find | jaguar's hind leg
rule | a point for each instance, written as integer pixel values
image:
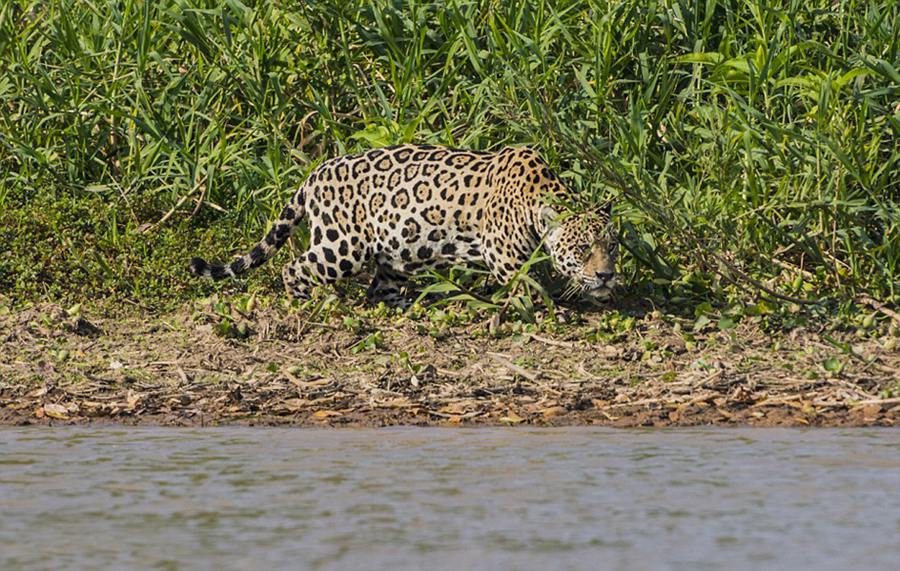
(299, 277)
(387, 286)
(304, 273)
(319, 266)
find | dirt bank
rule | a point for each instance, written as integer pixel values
(274, 366)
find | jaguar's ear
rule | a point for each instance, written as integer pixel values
(550, 217)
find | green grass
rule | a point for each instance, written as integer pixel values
(752, 147)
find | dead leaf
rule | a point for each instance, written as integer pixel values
(322, 414)
(132, 399)
(871, 411)
(38, 392)
(294, 405)
(553, 411)
(512, 418)
(608, 416)
(454, 408)
(56, 411)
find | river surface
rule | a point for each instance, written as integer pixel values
(415, 498)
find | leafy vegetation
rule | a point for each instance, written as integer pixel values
(751, 146)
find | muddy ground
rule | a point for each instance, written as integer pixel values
(273, 366)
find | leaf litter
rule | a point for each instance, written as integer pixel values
(178, 369)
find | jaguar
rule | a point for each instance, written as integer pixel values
(396, 211)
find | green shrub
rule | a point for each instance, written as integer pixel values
(748, 143)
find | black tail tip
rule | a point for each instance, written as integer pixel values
(198, 266)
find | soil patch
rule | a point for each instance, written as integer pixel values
(273, 366)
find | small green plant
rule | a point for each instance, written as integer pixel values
(405, 361)
(832, 365)
(614, 326)
(354, 324)
(228, 324)
(517, 296)
(370, 342)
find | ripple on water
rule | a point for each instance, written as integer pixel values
(442, 499)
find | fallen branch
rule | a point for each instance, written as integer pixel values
(513, 367)
(881, 307)
(553, 342)
(894, 400)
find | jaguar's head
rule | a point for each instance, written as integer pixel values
(583, 248)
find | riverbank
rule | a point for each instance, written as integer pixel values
(265, 364)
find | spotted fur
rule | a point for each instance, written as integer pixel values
(410, 207)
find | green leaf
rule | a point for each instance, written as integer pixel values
(703, 309)
(374, 135)
(832, 365)
(701, 322)
(701, 57)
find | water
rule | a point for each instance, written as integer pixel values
(242, 498)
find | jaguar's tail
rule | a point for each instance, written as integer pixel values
(276, 238)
